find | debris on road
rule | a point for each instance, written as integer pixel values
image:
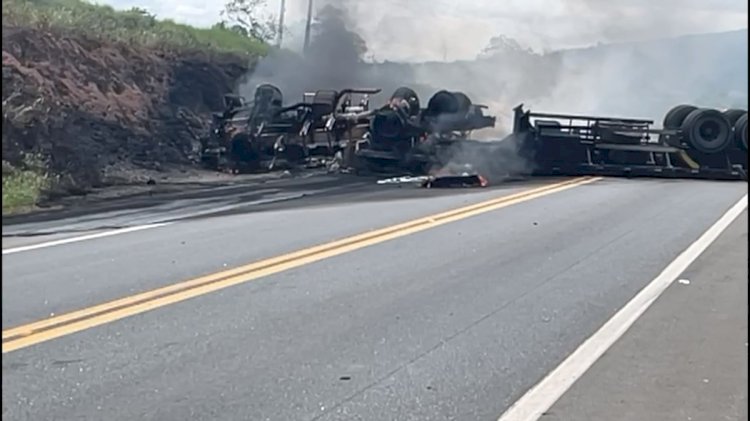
(453, 181)
(404, 180)
(446, 177)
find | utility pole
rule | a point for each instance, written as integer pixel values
(308, 24)
(281, 22)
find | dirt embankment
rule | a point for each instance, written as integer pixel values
(104, 114)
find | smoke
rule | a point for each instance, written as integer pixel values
(334, 60)
(645, 79)
(495, 161)
(633, 63)
(639, 20)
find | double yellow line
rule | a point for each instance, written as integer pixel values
(54, 327)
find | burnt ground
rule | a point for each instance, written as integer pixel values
(191, 186)
(107, 114)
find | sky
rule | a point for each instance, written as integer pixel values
(423, 30)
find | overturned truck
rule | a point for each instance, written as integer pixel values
(264, 133)
(403, 136)
(692, 143)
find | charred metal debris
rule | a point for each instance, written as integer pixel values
(340, 130)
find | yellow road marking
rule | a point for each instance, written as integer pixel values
(55, 327)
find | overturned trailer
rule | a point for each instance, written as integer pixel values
(264, 132)
(693, 143)
(405, 137)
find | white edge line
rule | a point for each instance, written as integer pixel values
(537, 400)
(150, 226)
(83, 238)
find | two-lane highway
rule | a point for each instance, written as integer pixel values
(435, 306)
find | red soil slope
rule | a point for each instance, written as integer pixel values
(103, 113)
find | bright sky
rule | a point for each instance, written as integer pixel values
(417, 30)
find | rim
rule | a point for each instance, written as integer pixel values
(710, 131)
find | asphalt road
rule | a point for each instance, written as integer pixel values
(686, 358)
(164, 203)
(452, 322)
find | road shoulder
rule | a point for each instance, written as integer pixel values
(686, 358)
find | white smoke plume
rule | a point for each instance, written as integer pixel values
(639, 79)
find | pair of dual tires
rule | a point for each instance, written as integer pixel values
(708, 130)
(442, 102)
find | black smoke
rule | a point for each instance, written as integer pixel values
(333, 60)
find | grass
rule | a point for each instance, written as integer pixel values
(24, 187)
(134, 26)
(25, 183)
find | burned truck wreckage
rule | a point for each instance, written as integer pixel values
(260, 134)
(398, 136)
(402, 137)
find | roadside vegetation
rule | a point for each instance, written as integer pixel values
(137, 27)
(243, 32)
(24, 186)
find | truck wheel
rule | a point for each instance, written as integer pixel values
(734, 114)
(674, 117)
(707, 131)
(242, 149)
(673, 120)
(410, 96)
(464, 103)
(740, 132)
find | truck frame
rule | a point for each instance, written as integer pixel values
(568, 144)
(264, 132)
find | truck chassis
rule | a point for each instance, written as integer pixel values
(566, 144)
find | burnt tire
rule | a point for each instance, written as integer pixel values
(674, 117)
(464, 103)
(295, 153)
(410, 96)
(386, 125)
(740, 132)
(734, 114)
(443, 102)
(707, 131)
(269, 93)
(242, 149)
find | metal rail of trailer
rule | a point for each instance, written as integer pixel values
(567, 144)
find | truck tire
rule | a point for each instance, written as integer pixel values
(674, 117)
(707, 131)
(673, 120)
(740, 132)
(411, 98)
(445, 102)
(268, 94)
(733, 114)
(242, 149)
(464, 103)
